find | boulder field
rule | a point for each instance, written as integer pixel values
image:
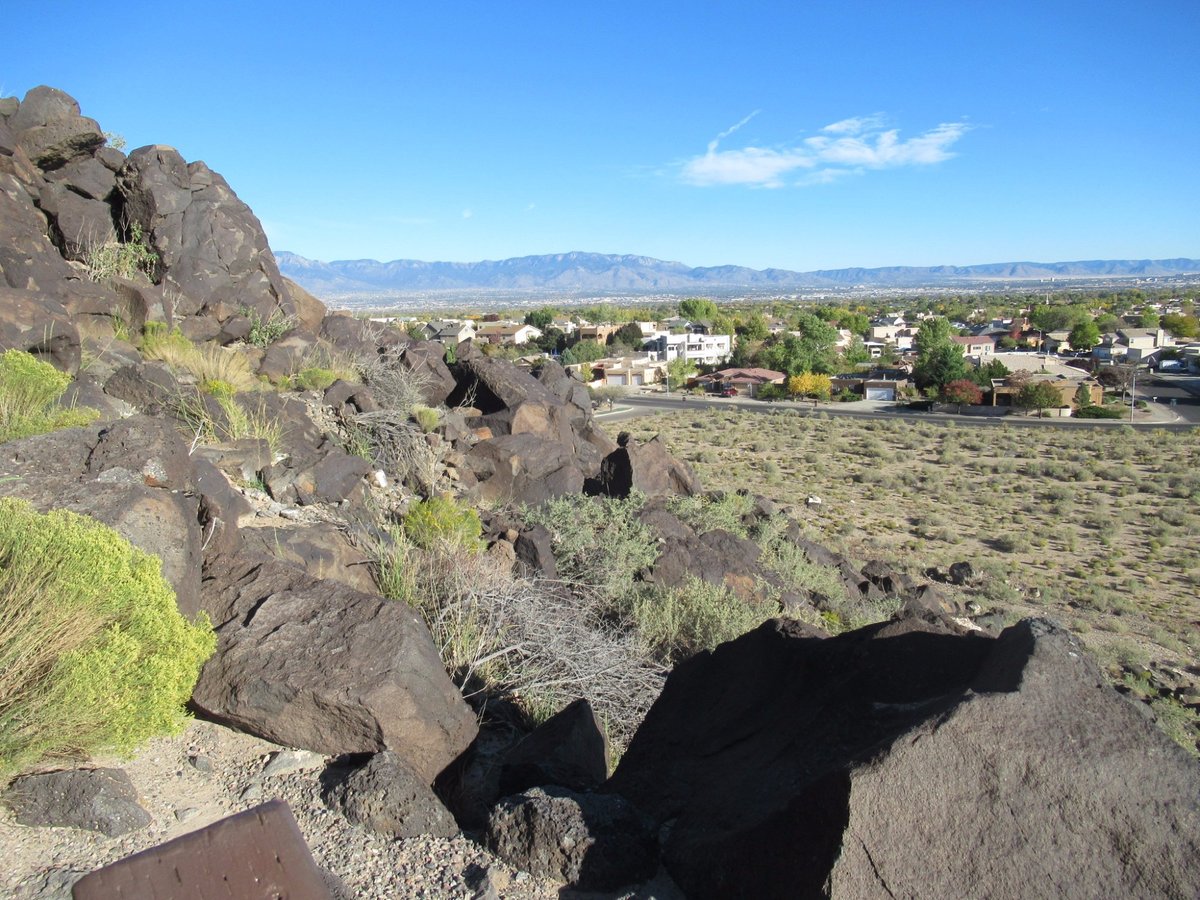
(919, 757)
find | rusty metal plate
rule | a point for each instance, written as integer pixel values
(258, 854)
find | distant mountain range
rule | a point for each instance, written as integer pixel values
(600, 273)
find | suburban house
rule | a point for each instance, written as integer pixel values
(628, 371)
(878, 385)
(507, 333)
(450, 332)
(743, 381)
(702, 349)
(1133, 345)
(1004, 390)
(887, 329)
(978, 347)
(1053, 341)
(597, 333)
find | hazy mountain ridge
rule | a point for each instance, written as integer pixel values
(579, 271)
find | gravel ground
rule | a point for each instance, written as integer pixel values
(181, 796)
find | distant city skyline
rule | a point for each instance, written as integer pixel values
(761, 135)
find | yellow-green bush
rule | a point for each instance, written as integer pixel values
(427, 417)
(94, 654)
(440, 521)
(29, 394)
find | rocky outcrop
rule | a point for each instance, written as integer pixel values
(591, 841)
(905, 760)
(648, 468)
(311, 663)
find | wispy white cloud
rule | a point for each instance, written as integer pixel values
(466, 213)
(846, 147)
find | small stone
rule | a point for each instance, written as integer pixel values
(287, 761)
(200, 763)
(188, 812)
(252, 792)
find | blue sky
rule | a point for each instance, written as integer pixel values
(759, 134)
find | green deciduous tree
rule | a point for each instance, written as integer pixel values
(678, 372)
(1084, 336)
(1039, 395)
(696, 308)
(583, 352)
(1181, 326)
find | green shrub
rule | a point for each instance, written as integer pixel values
(427, 418)
(117, 259)
(598, 541)
(158, 339)
(441, 521)
(676, 623)
(93, 651)
(313, 379)
(29, 394)
(264, 332)
(1100, 412)
(704, 512)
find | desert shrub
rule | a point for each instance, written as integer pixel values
(93, 652)
(536, 642)
(675, 623)
(264, 332)
(158, 339)
(121, 259)
(245, 418)
(792, 565)
(426, 417)
(313, 378)
(708, 512)
(29, 397)
(598, 541)
(442, 521)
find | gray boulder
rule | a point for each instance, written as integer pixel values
(388, 797)
(101, 800)
(524, 468)
(50, 129)
(905, 760)
(39, 324)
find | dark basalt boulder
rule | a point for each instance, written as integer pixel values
(211, 247)
(50, 129)
(904, 760)
(79, 224)
(319, 548)
(648, 468)
(102, 800)
(87, 177)
(386, 796)
(41, 325)
(524, 468)
(590, 841)
(716, 557)
(569, 750)
(28, 258)
(311, 663)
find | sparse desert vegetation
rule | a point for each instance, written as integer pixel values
(1093, 527)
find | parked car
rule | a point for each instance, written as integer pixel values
(729, 392)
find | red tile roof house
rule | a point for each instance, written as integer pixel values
(744, 381)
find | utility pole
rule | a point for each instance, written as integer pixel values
(1133, 394)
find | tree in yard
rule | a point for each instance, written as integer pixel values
(678, 371)
(696, 308)
(813, 350)
(753, 327)
(1181, 326)
(1039, 395)
(932, 334)
(856, 352)
(987, 372)
(961, 391)
(583, 352)
(810, 384)
(1083, 397)
(1148, 318)
(540, 318)
(1084, 336)
(628, 335)
(940, 366)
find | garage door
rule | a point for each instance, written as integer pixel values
(879, 393)
(616, 380)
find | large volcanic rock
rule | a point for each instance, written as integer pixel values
(648, 468)
(50, 130)
(314, 664)
(904, 761)
(211, 247)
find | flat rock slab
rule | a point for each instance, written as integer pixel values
(101, 800)
(256, 855)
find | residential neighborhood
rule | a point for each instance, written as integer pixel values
(1051, 359)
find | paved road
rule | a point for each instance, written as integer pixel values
(643, 404)
(1183, 389)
